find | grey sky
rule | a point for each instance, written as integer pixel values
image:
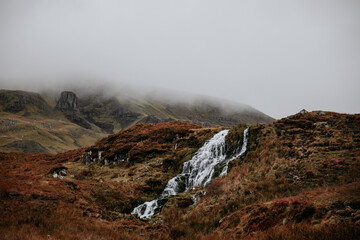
(277, 56)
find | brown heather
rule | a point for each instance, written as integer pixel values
(298, 180)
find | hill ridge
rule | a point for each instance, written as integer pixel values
(57, 123)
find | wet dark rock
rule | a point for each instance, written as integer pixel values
(86, 158)
(59, 172)
(68, 100)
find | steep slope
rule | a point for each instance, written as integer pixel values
(28, 123)
(301, 170)
(114, 114)
(299, 179)
(57, 122)
(24, 103)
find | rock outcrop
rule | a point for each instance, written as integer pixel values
(68, 101)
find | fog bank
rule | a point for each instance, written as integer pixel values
(277, 56)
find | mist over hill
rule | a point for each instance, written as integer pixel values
(55, 120)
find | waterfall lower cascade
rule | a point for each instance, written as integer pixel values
(198, 171)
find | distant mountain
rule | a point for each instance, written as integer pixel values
(57, 122)
(29, 122)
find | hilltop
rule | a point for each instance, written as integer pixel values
(299, 178)
(53, 122)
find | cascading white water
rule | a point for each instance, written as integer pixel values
(238, 153)
(198, 171)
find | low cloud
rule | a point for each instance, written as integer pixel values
(278, 56)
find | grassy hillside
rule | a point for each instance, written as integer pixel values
(29, 123)
(32, 122)
(298, 180)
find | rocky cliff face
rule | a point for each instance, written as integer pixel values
(68, 101)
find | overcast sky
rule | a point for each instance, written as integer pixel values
(277, 56)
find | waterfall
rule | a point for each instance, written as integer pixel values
(198, 171)
(238, 153)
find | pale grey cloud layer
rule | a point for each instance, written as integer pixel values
(278, 56)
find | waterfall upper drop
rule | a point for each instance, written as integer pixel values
(239, 152)
(198, 171)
